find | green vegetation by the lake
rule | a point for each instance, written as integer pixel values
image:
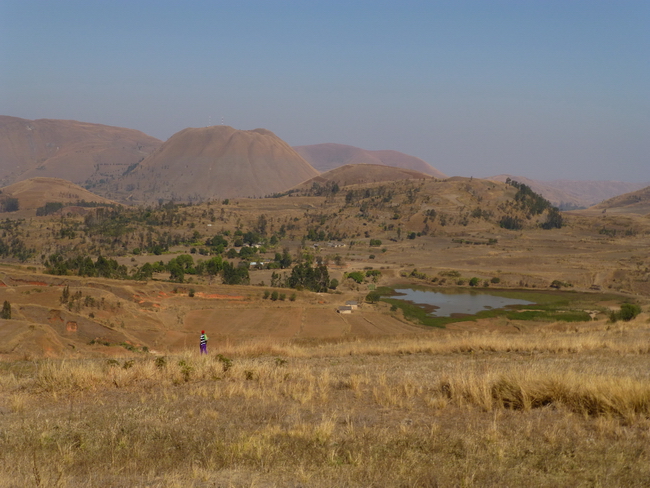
(566, 306)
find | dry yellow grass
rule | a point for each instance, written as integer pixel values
(546, 408)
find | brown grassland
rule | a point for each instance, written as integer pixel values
(108, 389)
(547, 407)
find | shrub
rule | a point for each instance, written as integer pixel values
(559, 284)
(629, 311)
(226, 362)
(186, 369)
(356, 276)
(6, 310)
(451, 274)
(474, 281)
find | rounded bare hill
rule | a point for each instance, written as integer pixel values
(637, 202)
(36, 192)
(217, 162)
(325, 157)
(358, 174)
(74, 151)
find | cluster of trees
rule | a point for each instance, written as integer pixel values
(235, 275)
(360, 276)
(627, 312)
(533, 204)
(275, 295)
(52, 207)
(9, 204)
(177, 267)
(12, 244)
(184, 264)
(328, 189)
(103, 267)
(511, 223)
(16, 248)
(305, 276)
(49, 208)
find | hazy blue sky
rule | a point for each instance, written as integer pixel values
(545, 89)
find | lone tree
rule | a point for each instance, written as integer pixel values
(6, 310)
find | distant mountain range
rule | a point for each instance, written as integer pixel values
(325, 157)
(220, 162)
(75, 151)
(569, 194)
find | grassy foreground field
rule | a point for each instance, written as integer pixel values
(550, 406)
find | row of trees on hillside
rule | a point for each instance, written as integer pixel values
(303, 276)
(531, 204)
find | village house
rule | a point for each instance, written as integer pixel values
(353, 304)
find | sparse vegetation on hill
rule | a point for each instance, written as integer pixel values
(316, 377)
(633, 202)
(293, 390)
(531, 204)
(571, 194)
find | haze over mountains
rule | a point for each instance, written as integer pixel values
(220, 162)
(75, 151)
(325, 157)
(217, 162)
(633, 202)
(574, 194)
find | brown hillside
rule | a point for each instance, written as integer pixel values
(216, 162)
(634, 202)
(75, 151)
(355, 174)
(36, 192)
(325, 157)
(568, 193)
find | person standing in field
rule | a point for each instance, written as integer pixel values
(204, 342)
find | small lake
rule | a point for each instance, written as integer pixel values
(439, 304)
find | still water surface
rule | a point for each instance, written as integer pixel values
(446, 304)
